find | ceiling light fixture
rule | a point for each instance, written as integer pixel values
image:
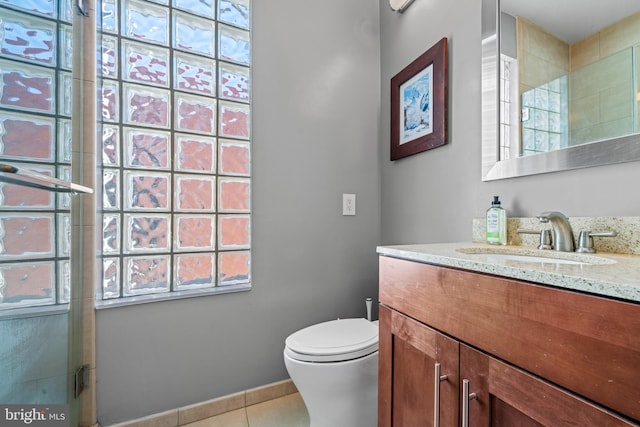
(400, 5)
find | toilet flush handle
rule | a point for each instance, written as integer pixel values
(368, 302)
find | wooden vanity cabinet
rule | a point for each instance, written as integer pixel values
(532, 355)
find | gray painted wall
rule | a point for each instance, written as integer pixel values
(433, 196)
(316, 135)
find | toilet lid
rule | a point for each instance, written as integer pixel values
(335, 340)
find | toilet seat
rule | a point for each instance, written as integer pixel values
(333, 341)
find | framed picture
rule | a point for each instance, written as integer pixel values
(419, 103)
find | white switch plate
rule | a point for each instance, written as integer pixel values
(348, 204)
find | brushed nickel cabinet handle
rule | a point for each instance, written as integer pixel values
(466, 397)
(436, 395)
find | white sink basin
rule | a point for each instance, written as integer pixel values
(534, 256)
(529, 258)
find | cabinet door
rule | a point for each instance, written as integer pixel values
(504, 396)
(410, 391)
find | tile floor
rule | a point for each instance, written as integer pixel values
(285, 411)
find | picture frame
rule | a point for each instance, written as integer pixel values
(419, 103)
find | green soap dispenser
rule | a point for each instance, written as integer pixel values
(496, 223)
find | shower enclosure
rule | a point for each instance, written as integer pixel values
(557, 94)
(40, 210)
(592, 103)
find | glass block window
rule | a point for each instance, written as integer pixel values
(545, 111)
(176, 146)
(35, 134)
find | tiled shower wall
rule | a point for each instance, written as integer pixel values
(608, 52)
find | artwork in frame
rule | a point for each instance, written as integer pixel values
(419, 103)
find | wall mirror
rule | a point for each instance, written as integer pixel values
(560, 85)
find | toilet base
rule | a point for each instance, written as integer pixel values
(338, 394)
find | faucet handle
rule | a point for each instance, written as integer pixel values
(585, 240)
(545, 237)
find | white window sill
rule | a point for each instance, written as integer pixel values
(169, 296)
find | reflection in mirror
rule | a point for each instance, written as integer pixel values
(559, 89)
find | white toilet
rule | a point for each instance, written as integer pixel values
(334, 365)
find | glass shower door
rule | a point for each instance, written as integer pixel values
(33, 359)
(36, 352)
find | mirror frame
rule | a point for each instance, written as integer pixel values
(598, 153)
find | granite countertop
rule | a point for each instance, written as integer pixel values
(604, 274)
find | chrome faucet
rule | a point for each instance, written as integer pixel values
(562, 232)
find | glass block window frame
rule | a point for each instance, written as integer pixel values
(508, 107)
(35, 134)
(176, 148)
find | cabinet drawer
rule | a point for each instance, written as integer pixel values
(588, 344)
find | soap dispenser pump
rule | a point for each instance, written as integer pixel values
(496, 223)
